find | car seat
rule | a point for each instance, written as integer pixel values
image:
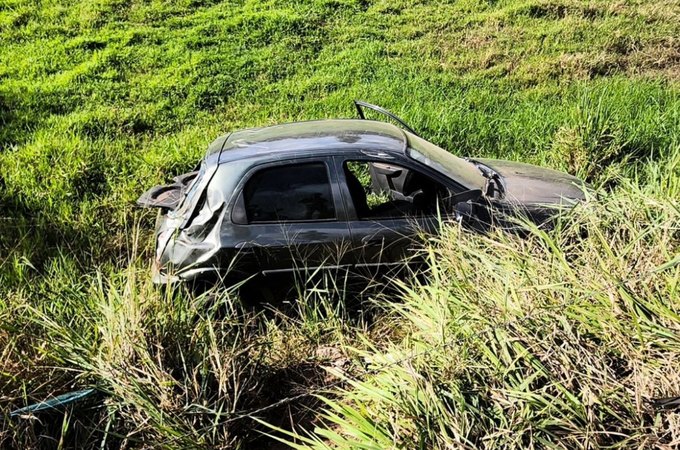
(358, 194)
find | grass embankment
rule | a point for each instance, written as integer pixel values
(100, 100)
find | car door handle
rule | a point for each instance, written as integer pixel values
(245, 247)
(366, 240)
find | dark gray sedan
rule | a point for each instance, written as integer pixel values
(333, 194)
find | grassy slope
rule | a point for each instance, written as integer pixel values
(102, 99)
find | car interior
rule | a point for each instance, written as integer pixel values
(379, 190)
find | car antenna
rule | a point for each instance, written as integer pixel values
(360, 109)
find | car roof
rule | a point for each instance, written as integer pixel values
(301, 138)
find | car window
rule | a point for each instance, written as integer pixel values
(458, 169)
(300, 192)
(385, 190)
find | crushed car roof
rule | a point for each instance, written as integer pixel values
(301, 137)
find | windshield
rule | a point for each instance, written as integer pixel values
(458, 169)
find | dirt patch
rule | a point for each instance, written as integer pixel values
(658, 59)
(559, 10)
(661, 57)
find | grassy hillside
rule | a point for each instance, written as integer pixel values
(563, 338)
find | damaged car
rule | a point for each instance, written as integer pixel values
(350, 194)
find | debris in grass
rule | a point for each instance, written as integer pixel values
(57, 403)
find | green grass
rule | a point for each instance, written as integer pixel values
(100, 100)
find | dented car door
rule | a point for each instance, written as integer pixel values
(291, 217)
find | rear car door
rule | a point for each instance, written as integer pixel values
(292, 216)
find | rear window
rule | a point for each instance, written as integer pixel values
(296, 193)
